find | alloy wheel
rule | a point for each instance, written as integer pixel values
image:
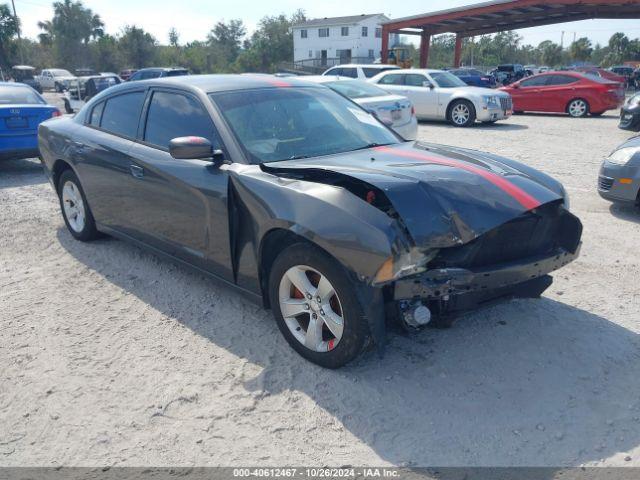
(578, 108)
(460, 114)
(311, 308)
(73, 206)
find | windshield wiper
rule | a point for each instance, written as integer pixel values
(372, 145)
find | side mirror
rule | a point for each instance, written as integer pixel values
(191, 148)
(427, 84)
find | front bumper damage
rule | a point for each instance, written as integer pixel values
(457, 289)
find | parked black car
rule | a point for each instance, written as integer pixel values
(630, 114)
(149, 73)
(511, 72)
(308, 204)
(26, 74)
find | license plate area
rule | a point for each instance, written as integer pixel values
(17, 122)
(396, 115)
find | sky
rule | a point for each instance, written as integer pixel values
(193, 19)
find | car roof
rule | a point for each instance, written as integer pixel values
(365, 65)
(416, 70)
(217, 82)
(163, 69)
(327, 78)
(13, 84)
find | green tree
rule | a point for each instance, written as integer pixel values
(9, 28)
(174, 38)
(550, 53)
(225, 40)
(581, 49)
(138, 48)
(69, 32)
(270, 44)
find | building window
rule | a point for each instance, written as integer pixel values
(365, 31)
(378, 33)
(303, 34)
(345, 31)
(371, 53)
(310, 53)
(323, 32)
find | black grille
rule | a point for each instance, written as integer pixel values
(605, 183)
(506, 103)
(534, 233)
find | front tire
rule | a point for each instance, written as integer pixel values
(75, 209)
(578, 108)
(316, 306)
(462, 113)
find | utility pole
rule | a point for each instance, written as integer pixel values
(562, 40)
(15, 15)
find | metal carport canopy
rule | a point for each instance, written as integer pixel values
(500, 15)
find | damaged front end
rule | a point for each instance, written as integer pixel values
(513, 260)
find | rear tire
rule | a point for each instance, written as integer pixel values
(461, 113)
(578, 108)
(75, 209)
(341, 331)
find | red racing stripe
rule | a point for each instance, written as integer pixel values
(526, 200)
(275, 81)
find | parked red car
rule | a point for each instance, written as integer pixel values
(566, 92)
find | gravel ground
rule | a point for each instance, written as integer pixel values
(111, 356)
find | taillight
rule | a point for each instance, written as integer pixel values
(413, 111)
(55, 113)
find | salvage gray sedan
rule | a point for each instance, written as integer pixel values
(306, 203)
(619, 178)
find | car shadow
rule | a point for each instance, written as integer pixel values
(20, 173)
(500, 125)
(628, 212)
(606, 115)
(540, 381)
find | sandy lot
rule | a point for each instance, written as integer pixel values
(110, 356)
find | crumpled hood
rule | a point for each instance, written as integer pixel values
(445, 196)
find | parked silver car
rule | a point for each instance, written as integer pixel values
(619, 178)
(361, 72)
(394, 110)
(439, 95)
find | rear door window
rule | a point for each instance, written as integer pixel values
(392, 79)
(350, 72)
(174, 115)
(122, 113)
(414, 80)
(535, 81)
(557, 80)
(96, 114)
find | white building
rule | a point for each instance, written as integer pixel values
(337, 40)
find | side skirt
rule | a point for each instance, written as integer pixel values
(253, 297)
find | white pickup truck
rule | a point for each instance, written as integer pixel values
(55, 79)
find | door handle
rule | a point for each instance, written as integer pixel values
(136, 171)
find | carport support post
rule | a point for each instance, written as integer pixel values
(458, 54)
(384, 55)
(425, 42)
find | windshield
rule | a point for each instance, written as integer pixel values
(61, 73)
(447, 80)
(354, 89)
(286, 123)
(19, 96)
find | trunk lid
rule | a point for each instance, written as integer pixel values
(23, 119)
(394, 109)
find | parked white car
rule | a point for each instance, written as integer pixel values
(55, 79)
(395, 111)
(440, 95)
(361, 72)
